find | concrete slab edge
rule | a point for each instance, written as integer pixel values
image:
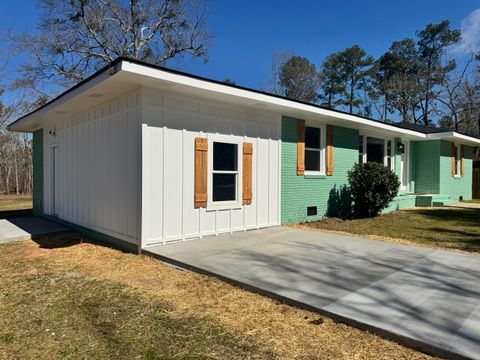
(37, 236)
(386, 334)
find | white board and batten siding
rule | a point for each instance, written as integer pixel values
(171, 122)
(97, 167)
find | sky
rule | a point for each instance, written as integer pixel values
(247, 33)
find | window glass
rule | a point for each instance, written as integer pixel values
(313, 149)
(312, 160)
(312, 137)
(224, 156)
(225, 171)
(224, 187)
(375, 150)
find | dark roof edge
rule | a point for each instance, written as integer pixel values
(177, 72)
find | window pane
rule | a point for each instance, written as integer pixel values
(224, 187)
(389, 155)
(312, 160)
(360, 149)
(224, 156)
(312, 137)
(375, 150)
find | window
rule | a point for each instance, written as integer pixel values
(224, 172)
(314, 150)
(373, 149)
(389, 158)
(458, 161)
(360, 149)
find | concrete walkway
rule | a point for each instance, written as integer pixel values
(27, 228)
(465, 205)
(426, 298)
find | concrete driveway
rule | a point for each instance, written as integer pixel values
(429, 299)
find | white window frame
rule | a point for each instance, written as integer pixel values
(458, 160)
(224, 205)
(385, 148)
(323, 140)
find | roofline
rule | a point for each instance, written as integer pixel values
(118, 60)
(453, 134)
(68, 91)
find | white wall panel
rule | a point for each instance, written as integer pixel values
(171, 124)
(99, 163)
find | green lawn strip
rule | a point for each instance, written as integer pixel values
(450, 228)
(11, 207)
(66, 315)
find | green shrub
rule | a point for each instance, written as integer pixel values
(372, 187)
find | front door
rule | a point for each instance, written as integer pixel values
(404, 171)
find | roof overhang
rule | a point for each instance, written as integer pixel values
(454, 137)
(124, 75)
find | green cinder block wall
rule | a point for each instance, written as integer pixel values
(37, 158)
(299, 192)
(455, 187)
(426, 166)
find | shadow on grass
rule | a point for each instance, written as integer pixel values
(61, 240)
(11, 214)
(469, 217)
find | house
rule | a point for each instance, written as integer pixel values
(141, 155)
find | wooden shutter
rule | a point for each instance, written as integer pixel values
(201, 170)
(329, 150)
(453, 159)
(247, 173)
(463, 160)
(301, 147)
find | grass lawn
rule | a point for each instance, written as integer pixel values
(15, 206)
(448, 228)
(65, 297)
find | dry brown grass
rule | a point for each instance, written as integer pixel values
(254, 326)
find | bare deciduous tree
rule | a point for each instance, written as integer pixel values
(77, 37)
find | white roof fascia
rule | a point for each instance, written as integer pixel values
(454, 136)
(258, 97)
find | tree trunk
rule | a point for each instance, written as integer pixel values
(425, 113)
(351, 96)
(16, 171)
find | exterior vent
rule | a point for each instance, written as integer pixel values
(311, 211)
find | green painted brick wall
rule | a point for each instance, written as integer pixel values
(451, 185)
(426, 166)
(37, 158)
(299, 192)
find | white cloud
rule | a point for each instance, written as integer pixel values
(470, 27)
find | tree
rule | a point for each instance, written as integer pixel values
(432, 44)
(332, 85)
(299, 79)
(396, 80)
(354, 69)
(450, 95)
(76, 37)
(279, 59)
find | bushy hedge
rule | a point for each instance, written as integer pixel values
(372, 187)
